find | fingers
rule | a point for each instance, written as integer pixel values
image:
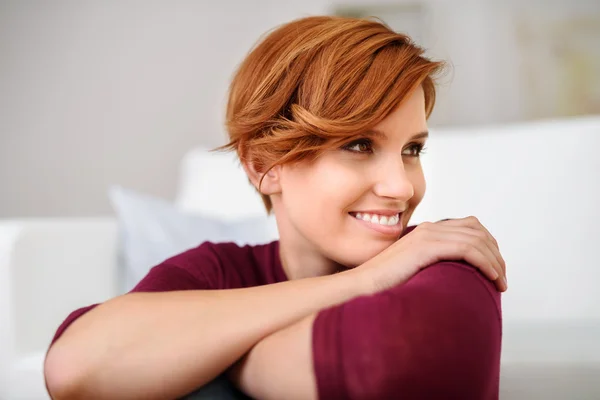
(480, 238)
(477, 246)
(474, 223)
(477, 258)
(477, 250)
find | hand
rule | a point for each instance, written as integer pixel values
(455, 239)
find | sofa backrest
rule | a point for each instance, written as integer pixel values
(536, 186)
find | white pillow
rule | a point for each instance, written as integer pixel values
(152, 229)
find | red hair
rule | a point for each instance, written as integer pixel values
(317, 83)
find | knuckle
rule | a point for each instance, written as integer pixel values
(474, 219)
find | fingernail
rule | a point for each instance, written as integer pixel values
(505, 282)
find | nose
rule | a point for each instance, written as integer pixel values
(392, 180)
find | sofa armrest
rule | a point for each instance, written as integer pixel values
(48, 268)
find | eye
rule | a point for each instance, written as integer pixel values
(414, 150)
(360, 146)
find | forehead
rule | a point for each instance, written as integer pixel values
(409, 118)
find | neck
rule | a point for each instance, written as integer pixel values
(302, 262)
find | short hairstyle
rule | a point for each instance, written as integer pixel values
(317, 83)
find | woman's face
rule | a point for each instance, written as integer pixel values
(350, 204)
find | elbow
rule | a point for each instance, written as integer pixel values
(62, 381)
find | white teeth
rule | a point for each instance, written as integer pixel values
(378, 219)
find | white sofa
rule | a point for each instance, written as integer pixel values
(535, 185)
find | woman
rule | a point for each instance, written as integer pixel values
(328, 116)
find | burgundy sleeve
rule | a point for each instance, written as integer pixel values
(436, 336)
(162, 278)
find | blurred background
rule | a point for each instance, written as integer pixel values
(94, 93)
(107, 109)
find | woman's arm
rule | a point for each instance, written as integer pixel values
(280, 366)
(436, 336)
(165, 345)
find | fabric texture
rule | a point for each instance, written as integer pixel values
(438, 336)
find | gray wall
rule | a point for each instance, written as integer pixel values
(101, 92)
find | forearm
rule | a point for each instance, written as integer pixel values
(438, 333)
(164, 345)
(280, 366)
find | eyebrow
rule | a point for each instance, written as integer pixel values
(382, 135)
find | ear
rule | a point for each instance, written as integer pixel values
(270, 183)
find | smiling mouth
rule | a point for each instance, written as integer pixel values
(378, 219)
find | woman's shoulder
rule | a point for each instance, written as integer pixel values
(228, 265)
(250, 264)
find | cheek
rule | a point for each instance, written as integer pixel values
(342, 186)
(324, 189)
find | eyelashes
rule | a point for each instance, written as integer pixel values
(359, 146)
(365, 146)
(417, 149)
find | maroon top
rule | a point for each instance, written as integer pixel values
(436, 336)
